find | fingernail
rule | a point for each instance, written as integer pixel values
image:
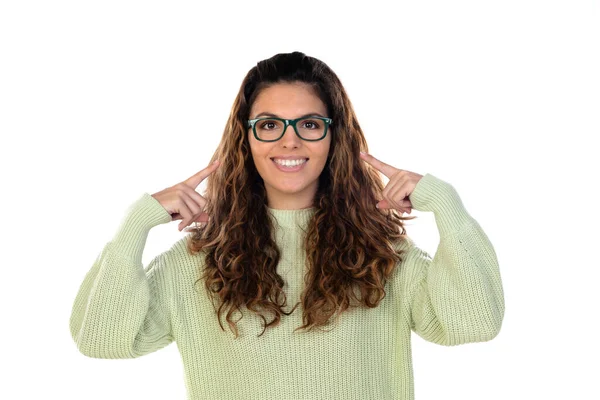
(216, 161)
(363, 153)
(377, 205)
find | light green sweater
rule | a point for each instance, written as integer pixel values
(123, 310)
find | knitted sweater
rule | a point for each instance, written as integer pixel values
(123, 310)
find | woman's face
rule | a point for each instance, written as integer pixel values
(289, 189)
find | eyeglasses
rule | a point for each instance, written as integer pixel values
(271, 129)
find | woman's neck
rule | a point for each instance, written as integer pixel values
(292, 201)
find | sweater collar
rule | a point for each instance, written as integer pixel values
(292, 218)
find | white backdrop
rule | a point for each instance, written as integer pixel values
(103, 101)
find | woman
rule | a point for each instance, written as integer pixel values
(293, 213)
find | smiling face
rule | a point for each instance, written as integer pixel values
(289, 188)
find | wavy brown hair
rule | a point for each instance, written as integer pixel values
(350, 246)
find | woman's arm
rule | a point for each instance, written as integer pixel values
(456, 297)
(122, 309)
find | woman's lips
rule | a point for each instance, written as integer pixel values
(293, 168)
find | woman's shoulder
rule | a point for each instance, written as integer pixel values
(410, 254)
(180, 258)
(403, 244)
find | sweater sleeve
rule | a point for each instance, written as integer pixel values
(122, 309)
(456, 297)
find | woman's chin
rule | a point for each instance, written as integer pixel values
(289, 189)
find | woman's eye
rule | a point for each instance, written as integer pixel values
(268, 125)
(311, 124)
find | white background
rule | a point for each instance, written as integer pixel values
(103, 101)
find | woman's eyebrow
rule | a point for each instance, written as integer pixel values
(268, 114)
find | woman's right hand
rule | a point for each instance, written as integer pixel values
(183, 202)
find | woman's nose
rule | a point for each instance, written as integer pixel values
(290, 139)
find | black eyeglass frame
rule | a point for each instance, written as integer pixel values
(251, 123)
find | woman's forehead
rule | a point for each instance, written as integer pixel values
(288, 101)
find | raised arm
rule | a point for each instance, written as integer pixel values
(456, 297)
(122, 309)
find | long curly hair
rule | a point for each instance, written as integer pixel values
(350, 245)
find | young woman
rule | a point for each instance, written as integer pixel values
(301, 250)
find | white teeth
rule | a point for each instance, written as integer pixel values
(290, 163)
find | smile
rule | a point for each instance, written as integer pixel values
(290, 165)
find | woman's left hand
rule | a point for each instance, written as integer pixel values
(401, 185)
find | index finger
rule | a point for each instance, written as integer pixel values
(386, 169)
(199, 176)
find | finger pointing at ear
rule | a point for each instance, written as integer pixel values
(382, 167)
(397, 191)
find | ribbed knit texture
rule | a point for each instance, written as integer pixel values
(123, 310)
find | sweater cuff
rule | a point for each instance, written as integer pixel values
(141, 216)
(440, 197)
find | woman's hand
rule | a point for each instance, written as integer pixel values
(401, 185)
(183, 202)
